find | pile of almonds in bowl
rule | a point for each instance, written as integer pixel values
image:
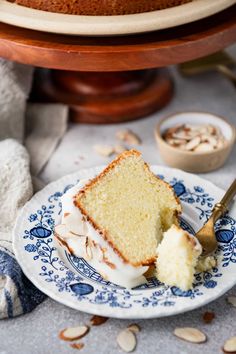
(196, 142)
(197, 138)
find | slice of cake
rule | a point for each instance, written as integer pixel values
(117, 219)
(177, 257)
(130, 207)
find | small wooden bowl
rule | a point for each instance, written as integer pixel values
(189, 160)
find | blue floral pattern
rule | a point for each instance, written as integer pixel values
(77, 278)
(202, 200)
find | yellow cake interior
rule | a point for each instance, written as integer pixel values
(130, 207)
(177, 258)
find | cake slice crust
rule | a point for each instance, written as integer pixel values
(130, 207)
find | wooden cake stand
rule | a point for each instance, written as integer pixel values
(113, 79)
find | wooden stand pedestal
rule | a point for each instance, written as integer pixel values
(105, 97)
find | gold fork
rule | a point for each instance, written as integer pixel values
(206, 235)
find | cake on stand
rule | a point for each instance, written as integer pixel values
(113, 79)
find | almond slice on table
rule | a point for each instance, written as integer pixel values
(230, 345)
(98, 320)
(73, 333)
(77, 345)
(104, 150)
(129, 137)
(190, 334)
(231, 300)
(126, 340)
(134, 327)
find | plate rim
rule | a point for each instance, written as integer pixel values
(109, 25)
(93, 308)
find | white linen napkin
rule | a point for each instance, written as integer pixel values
(41, 127)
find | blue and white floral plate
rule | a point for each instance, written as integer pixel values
(71, 281)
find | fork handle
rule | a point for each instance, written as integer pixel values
(222, 207)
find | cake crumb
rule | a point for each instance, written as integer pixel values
(208, 317)
(78, 346)
(98, 320)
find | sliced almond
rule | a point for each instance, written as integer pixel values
(192, 144)
(133, 139)
(62, 232)
(73, 333)
(129, 137)
(60, 229)
(210, 139)
(127, 341)
(108, 263)
(193, 127)
(121, 134)
(208, 317)
(190, 334)
(100, 253)
(173, 130)
(221, 143)
(78, 346)
(231, 300)
(104, 150)
(118, 149)
(204, 128)
(89, 253)
(63, 235)
(134, 327)
(203, 147)
(176, 142)
(230, 345)
(212, 130)
(181, 135)
(98, 320)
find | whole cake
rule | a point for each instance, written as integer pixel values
(100, 7)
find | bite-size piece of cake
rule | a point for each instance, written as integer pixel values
(117, 219)
(179, 258)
